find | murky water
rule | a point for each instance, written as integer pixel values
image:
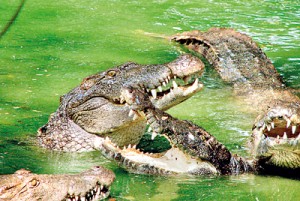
(54, 44)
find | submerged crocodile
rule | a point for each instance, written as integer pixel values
(96, 109)
(240, 61)
(90, 185)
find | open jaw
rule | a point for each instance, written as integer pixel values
(98, 192)
(90, 185)
(97, 106)
(122, 124)
(174, 90)
(116, 119)
(172, 162)
(276, 137)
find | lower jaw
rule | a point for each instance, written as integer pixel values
(271, 169)
(285, 157)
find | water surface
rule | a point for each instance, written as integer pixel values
(53, 45)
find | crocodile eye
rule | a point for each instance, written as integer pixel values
(34, 183)
(111, 73)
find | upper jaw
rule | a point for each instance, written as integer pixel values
(164, 97)
(180, 83)
(171, 90)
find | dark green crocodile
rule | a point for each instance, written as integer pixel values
(90, 185)
(240, 61)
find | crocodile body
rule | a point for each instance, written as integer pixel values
(240, 61)
(91, 185)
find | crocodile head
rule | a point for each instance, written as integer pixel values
(96, 107)
(92, 185)
(275, 136)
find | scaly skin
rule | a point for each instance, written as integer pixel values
(91, 185)
(197, 142)
(173, 162)
(188, 137)
(95, 109)
(239, 61)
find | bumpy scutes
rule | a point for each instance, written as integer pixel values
(91, 185)
(236, 57)
(95, 109)
(188, 137)
(240, 61)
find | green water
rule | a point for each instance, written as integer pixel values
(53, 45)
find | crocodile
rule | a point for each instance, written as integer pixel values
(189, 139)
(95, 109)
(90, 185)
(241, 62)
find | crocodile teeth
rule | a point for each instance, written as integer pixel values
(268, 127)
(154, 94)
(196, 82)
(153, 135)
(167, 81)
(273, 125)
(164, 84)
(159, 89)
(131, 113)
(288, 123)
(175, 85)
(135, 117)
(285, 136)
(294, 129)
